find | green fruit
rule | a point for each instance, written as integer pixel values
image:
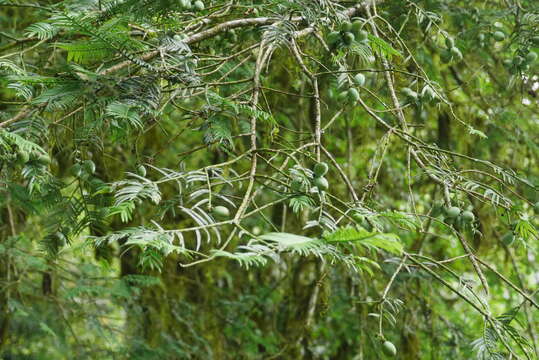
(468, 217)
(449, 42)
(361, 221)
(321, 183)
(356, 27)
(220, 212)
(362, 35)
(452, 212)
(346, 27)
(43, 159)
(23, 157)
(320, 169)
(333, 37)
(359, 79)
(508, 239)
(455, 53)
(88, 166)
(199, 5)
(518, 60)
(536, 207)
(141, 170)
(445, 56)
(353, 95)
(498, 36)
(481, 37)
(75, 170)
(531, 57)
(348, 38)
(389, 349)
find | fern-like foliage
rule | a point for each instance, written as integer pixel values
(371, 240)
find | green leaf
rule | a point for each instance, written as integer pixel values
(245, 259)
(383, 47)
(125, 112)
(388, 242)
(286, 239)
(47, 329)
(86, 51)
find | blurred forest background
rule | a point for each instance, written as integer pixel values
(280, 179)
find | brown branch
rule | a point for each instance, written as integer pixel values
(20, 115)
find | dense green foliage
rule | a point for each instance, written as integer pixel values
(280, 179)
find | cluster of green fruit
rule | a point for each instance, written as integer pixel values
(350, 32)
(319, 170)
(426, 96)
(83, 169)
(187, 5)
(455, 216)
(521, 62)
(497, 35)
(451, 53)
(352, 94)
(25, 157)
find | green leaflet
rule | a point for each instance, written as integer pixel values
(381, 46)
(388, 242)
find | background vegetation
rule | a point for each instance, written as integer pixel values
(163, 189)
